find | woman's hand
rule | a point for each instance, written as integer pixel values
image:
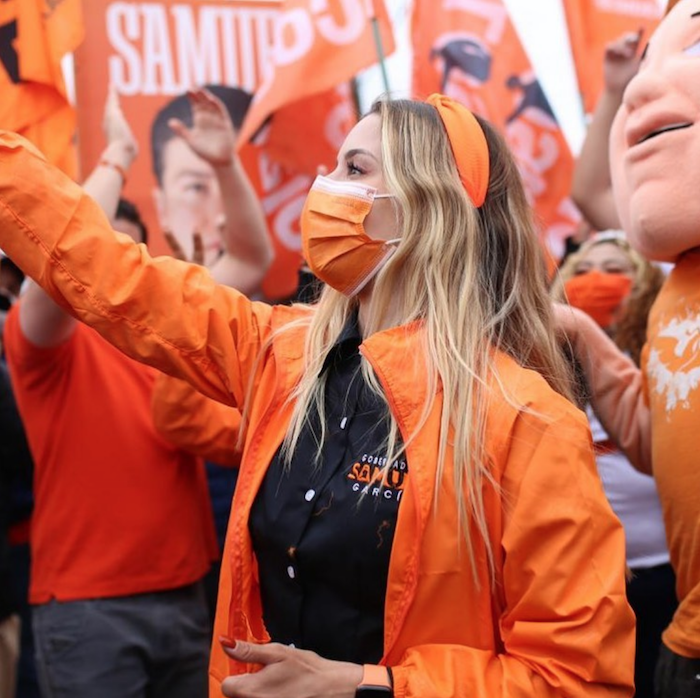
(621, 62)
(212, 136)
(114, 123)
(288, 672)
(122, 147)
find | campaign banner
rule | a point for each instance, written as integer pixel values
(469, 50)
(593, 24)
(153, 52)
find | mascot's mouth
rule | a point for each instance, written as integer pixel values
(665, 129)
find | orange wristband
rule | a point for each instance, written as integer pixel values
(117, 168)
(377, 681)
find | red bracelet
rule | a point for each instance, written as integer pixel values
(117, 168)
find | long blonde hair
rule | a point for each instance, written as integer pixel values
(476, 280)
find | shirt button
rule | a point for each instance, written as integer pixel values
(291, 572)
(310, 494)
(343, 422)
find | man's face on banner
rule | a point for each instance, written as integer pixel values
(189, 199)
(655, 141)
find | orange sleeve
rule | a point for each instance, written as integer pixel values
(565, 625)
(160, 311)
(195, 423)
(617, 389)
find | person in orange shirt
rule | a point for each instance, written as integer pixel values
(122, 532)
(616, 286)
(653, 413)
(105, 484)
(418, 511)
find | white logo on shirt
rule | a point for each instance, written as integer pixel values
(676, 386)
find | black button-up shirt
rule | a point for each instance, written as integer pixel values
(322, 530)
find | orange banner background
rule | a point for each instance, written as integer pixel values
(312, 52)
(155, 51)
(592, 25)
(469, 49)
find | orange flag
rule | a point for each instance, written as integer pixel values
(308, 133)
(470, 51)
(316, 47)
(593, 24)
(34, 36)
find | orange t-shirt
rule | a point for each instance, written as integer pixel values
(671, 362)
(118, 511)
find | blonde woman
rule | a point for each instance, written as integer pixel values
(417, 512)
(616, 286)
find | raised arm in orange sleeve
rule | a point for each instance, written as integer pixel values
(160, 311)
(195, 423)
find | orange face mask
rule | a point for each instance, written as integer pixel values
(335, 244)
(598, 294)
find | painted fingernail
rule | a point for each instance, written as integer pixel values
(227, 642)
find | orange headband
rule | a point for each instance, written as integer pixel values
(468, 143)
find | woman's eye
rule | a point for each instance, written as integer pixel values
(354, 169)
(693, 49)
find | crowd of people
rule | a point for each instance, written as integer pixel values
(386, 485)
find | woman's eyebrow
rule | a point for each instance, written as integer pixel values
(359, 151)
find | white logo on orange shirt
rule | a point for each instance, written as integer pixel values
(677, 377)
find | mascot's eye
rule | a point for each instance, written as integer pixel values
(693, 49)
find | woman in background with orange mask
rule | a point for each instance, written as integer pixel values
(418, 512)
(616, 286)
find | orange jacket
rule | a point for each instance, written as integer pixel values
(557, 623)
(195, 423)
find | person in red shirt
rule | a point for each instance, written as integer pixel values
(122, 532)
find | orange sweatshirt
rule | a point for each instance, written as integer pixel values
(671, 362)
(654, 415)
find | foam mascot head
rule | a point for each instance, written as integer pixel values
(655, 141)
